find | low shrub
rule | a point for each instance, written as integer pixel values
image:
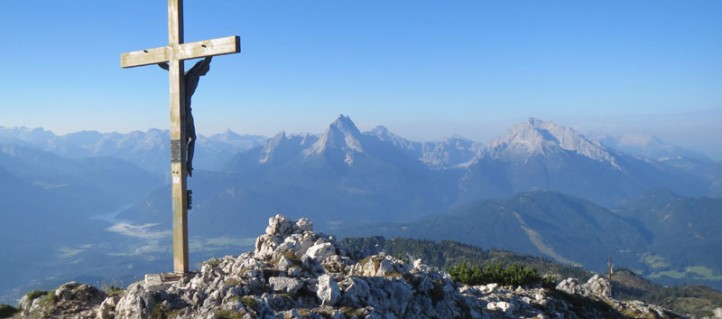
(229, 314)
(35, 294)
(113, 291)
(511, 275)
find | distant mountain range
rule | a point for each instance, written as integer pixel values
(532, 155)
(148, 150)
(345, 175)
(95, 190)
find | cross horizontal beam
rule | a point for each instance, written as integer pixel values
(184, 51)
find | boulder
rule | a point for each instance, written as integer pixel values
(279, 225)
(304, 225)
(321, 251)
(570, 286)
(284, 284)
(328, 291)
(599, 287)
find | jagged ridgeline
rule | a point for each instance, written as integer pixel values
(295, 272)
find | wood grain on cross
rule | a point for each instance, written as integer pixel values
(174, 54)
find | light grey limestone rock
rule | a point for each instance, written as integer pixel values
(321, 251)
(106, 310)
(285, 284)
(279, 225)
(598, 286)
(136, 303)
(327, 290)
(304, 225)
(570, 286)
(355, 291)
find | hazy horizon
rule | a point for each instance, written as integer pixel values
(425, 70)
(482, 133)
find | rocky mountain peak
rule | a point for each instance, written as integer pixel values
(295, 272)
(226, 135)
(282, 146)
(380, 131)
(383, 134)
(345, 125)
(537, 137)
(271, 145)
(536, 123)
(342, 135)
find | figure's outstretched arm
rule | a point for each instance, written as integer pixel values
(207, 61)
(201, 67)
(163, 65)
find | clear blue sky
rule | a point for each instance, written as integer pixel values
(425, 69)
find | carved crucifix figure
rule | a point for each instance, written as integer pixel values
(174, 54)
(191, 79)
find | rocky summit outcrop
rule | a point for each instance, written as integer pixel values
(71, 300)
(295, 272)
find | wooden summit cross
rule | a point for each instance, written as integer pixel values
(174, 54)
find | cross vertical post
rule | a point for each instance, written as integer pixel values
(174, 54)
(179, 188)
